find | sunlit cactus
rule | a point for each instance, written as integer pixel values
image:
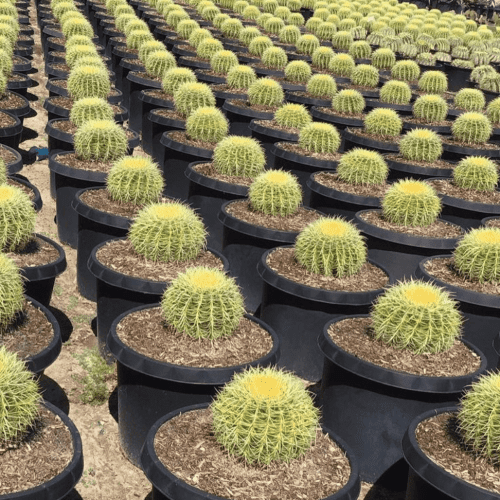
(239, 156)
(319, 137)
(361, 166)
(88, 81)
(292, 115)
(191, 96)
(265, 92)
(90, 108)
(207, 124)
(175, 77)
(421, 145)
(102, 140)
(476, 172)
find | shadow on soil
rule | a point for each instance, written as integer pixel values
(64, 323)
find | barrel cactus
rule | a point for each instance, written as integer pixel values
(239, 156)
(221, 62)
(342, 65)
(348, 102)
(259, 44)
(298, 71)
(322, 57)
(433, 82)
(159, 62)
(241, 77)
(135, 179)
(307, 44)
(362, 166)
(248, 34)
(476, 172)
(360, 50)
(395, 92)
(203, 303)
(207, 124)
(102, 140)
(167, 232)
(319, 137)
(175, 77)
(383, 59)
(410, 202)
(384, 122)
(469, 100)
(430, 108)
(417, 316)
(472, 128)
(289, 34)
(266, 92)
(365, 75)
(275, 192)
(493, 111)
(490, 82)
(208, 47)
(191, 96)
(88, 81)
(331, 246)
(274, 57)
(90, 108)
(76, 52)
(265, 415)
(322, 86)
(421, 145)
(293, 116)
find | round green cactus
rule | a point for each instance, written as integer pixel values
(383, 59)
(185, 28)
(77, 26)
(149, 47)
(475, 172)
(342, 65)
(175, 77)
(231, 28)
(361, 166)
(203, 303)
(319, 137)
(265, 92)
(307, 44)
(273, 25)
(477, 255)
(174, 17)
(167, 232)
(417, 316)
(289, 34)
(313, 23)
(331, 246)
(207, 124)
(322, 57)
(365, 75)
(433, 82)
(275, 192)
(270, 6)
(76, 52)
(135, 25)
(251, 13)
(208, 47)
(241, 77)
(274, 57)
(491, 82)
(80, 40)
(322, 86)
(493, 111)
(122, 20)
(248, 34)
(90, 108)
(239, 6)
(477, 416)
(421, 145)
(198, 35)
(159, 62)
(265, 415)
(296, 19)
(21, 396)
(191, 96)
(102, 140)
(470, 100)
(239, 156)
(395, 92)
(88, 81)
(17, 217)
(460, 63)
(410, 202)
(137, 37)
(342, 40)
(219, 20)
(383, 121)
(6, 64)
(430, 108)
(349, 102)
(135, 179)
(262, 19)
(325, 31)
(360, 50)
(293, 116)
(472, 128)
(478, 72)
(259, 44)
(222, 61)
(460, 52)
(298, 71)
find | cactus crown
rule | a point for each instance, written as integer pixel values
(307, 44)
(433, 82)
(264, 415)
(360, 50)
(275, 192)
(331, 246)
(102, 140)
(491, 82)
(418, 316)
(90, 108)
(175, 77)
(193, 95)
(421, 145)
(239, 156)
(342, 65)
(361, 166)
(431, 108)
(472, 128)
(148, 47)
(76, 52)
(135, 179)
(384, 122)
(410, 202)
(365, 75)
(167, 232)
(265, 92)
(322, 86)
(20, 398)
(470, 99)
(319, 137)
(88, 81)
(274, 57)
(241, 77)
(395, 92)
(477, 255)
(185, 28)
(207, 124)
(198, 35)
(475, 172)
(349, 102)
(292, 115)
(298, 71)
(203, 303)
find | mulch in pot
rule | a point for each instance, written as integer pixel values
(272, 124)
(322, 471)
(208, 170)
(420, 163)
(332, 181)
(72, 160)
(297, 149)
(493, 223)
(448, 188)
(36, 252)
(10, 100)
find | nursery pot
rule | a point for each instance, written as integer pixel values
(117, 293)
(148, 388)
(352, 140)
(136, 85)
(240, 117)
(400, 253)
(340, 122)
(371, 406)
(37, 198)
(206, 195)
(403, 169)
(481, 312)
(167, 486)
(308, 102)
(148, 103)
(458, 78)
(298, 313)
(126, 66)
(159, 125)
(10, 135)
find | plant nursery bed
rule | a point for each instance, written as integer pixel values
(296, 148)
(332, 181)
(208, 170)
(449, 189)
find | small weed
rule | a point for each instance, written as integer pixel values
(58, 290)
(95, 390)
(88, 477)
(82, 318)
(73, 302)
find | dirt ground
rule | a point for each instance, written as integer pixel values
(107, 473)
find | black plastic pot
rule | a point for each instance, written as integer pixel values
(115, 97)
(94, 227)
(167, 486)
(136, 85)
(67, 182)
(403, 169)
(149, 103)
(458, 78)
(426, 479)
(402, 109)
(57, 112)
(371, 407)
(204, 76)
(240, 117)
(119, 52)
(222, 96)
(20, 112)
(11, 135)
(456, 152)
(334, 202)
(353, 140)
(300, 166)
(341, 122)
(206, 195)
(126, 66)
(439, 129)
(20, 86)
(178, 156)
(298, 314)
(61, 485)
(22, 66)
(16, 164)
(481, 311)
(148, 389)
(484, 222)
(309, 102)
(118, 293)
(37, 197)
(400, 253)
(159, 125)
